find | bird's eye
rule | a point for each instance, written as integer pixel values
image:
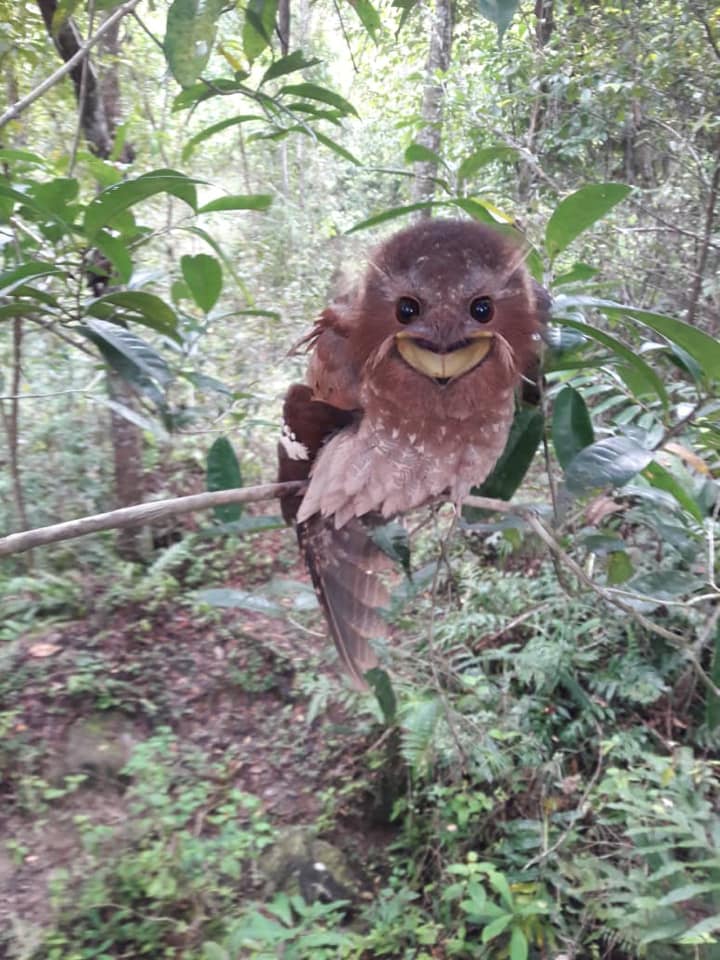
(406, 309)
(481, 309)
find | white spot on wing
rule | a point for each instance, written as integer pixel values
(294, 449)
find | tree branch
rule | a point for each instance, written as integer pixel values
(141, 514)
(21, 105)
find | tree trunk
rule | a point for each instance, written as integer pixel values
(430, 136)
(93, 117)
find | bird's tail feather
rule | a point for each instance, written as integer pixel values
(349, 573)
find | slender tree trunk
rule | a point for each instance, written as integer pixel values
(544, 26)
(99, 104)
(93, 118)
(283, 26)
(433, 101)
(11, 423)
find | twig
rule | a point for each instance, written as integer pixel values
(21, 105)
(141, 514)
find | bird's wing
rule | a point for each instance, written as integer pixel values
(347, 568)
(349, 573)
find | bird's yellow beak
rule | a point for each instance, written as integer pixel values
(443, 366)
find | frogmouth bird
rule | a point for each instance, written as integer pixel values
(410, 395)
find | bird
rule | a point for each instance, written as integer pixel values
(409, 397)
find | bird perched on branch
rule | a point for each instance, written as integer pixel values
(410, 395)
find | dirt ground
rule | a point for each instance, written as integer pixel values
(79, 696)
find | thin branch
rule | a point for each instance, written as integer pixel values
(21, 105)
(141, 514)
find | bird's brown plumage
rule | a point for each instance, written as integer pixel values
(409, 396)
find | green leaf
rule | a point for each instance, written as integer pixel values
(214, 87)
(619, 568)
(704, 349)
(662, 479)
(203, 275)
(392, 539)
(369, 17)
(578, 274)
(509, 472)
(498, 881)
(258, 27)
(11, 155)
(579, 211)
(647, 377)
(518, 944)
(499, 12)
(383, 689)
(417, 153)
(12, 279)
(248, 201)
(115, 249)
(223, 473)
(141, 307)
(312, 91)
(335, 147)
(496, 927)
(213, 951)
(216, 128)
(237, 599)
(607, 463)
(572, 428)
(481, 158)
(289, 64)
(140, 356)
(101, 211)
(189, 37)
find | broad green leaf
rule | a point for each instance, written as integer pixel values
(666, 584)
(518, 944)
(383, 689)
(135, 350)
(392, 539)
(213, 951)
(205, 383)
(216, 128)
(312, 91)
(137, 306)
(55, 196)
(499, 12)
(189, 37)
(607, 463)
(258, 27)
(116, 250)
(481, 158)
(572, 429)
(619, 568)
(335, 147)
(223, 473)
(214, 87)
(477, 210)
(249, 201)
(10, 155)
(498, 881)
(602, 544)
(496, 927)
(369, 17)
(704, 349)
(417, 153)
(12, 279)
(645, 374)
(509, 472)
(662, 479)
(581, 210)
(289, 64)
(203, 275)
(107, 205)
(579, 273)
(238, 599)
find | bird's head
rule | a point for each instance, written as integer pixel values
(447, 302)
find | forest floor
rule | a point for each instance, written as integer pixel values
(79, 696)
